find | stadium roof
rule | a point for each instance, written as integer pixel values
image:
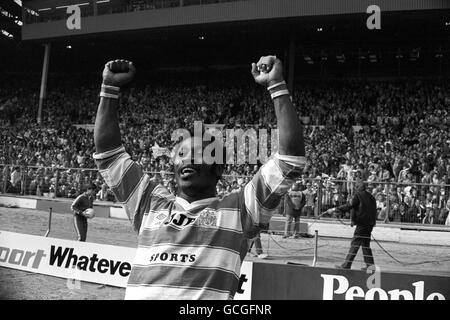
(414, 39)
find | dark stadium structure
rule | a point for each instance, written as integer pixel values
(331, 59)
(318, 39)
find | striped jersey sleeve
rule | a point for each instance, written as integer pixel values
(126, 179)
(263, 193)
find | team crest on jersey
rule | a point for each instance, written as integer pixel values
(161, 216)
(208, 218)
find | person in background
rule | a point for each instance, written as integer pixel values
(381, 207)
(327, 194)
(103, 194)
(444, 215)
(5, 175)
(363, 214)
(79, 206)
(419, 211)
(432, 213)
(258, 247)
(447, 221)
(310, 196)
(294, 201)
(15, 180)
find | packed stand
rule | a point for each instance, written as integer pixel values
(392, 134)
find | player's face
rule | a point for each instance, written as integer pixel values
(193, 176)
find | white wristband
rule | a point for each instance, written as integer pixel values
(279, 93)
(105, 86)
(276, 85)
(109, 95)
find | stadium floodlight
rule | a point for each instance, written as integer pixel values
(7, 34)
(340, 58)
(32, 12)
(5, 13)
(10, 16)
(414, 55)
(308, 60)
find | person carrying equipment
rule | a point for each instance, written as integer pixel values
(83, 209)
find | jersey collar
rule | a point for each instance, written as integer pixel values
(195, 204)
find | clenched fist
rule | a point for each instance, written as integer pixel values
(267, 71)
(118, 72)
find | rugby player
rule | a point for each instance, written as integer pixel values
(192, 246)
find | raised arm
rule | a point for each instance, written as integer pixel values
(116, 74)
(337, 211)
(123, 175)
(268, 72)
(263, 194)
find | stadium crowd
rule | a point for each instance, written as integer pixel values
(392, 134)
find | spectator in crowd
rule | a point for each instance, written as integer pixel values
(416, 211)
(444, 214)
(403, 132)
(15, 180)
(105, 194)
(327, 194)
(310, 200)
(381, 208)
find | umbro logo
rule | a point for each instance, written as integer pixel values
(161, 216)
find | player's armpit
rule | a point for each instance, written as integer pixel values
(262, 195)
(125, 178)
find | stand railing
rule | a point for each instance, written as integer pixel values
(396, 202)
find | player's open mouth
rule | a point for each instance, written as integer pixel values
(187, 171)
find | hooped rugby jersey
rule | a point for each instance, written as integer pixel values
(193, 250)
